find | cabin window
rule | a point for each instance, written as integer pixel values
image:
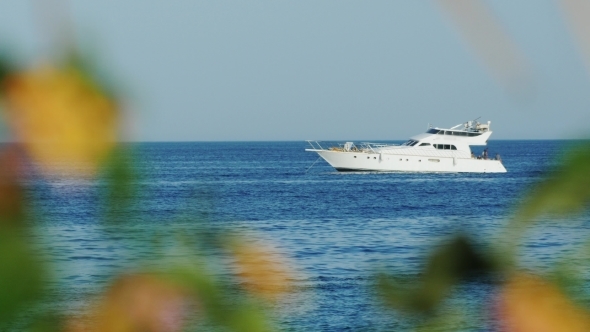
(444, 146)
(452, 133)
(460, 133)
(434, 160)
(425, 144)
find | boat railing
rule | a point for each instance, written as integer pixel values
(369, 147)
(379, 145)
(350, 146)
(315, 145)
(343, 147)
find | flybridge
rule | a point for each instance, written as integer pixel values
(470, 129)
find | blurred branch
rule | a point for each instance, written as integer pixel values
(490, 43)
(456, 260)
(577, 14)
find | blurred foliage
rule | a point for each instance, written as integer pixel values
(6, 65)
(565, 191)
(65, 120)
(529, 303)
(452, 262)
(119, 192)
(22, 275)
(67, 125)
(62, 118)
(526, 302)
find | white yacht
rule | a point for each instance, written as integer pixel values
(436, 150)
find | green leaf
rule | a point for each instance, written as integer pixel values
(120, 188)
(450, 263)
(50, 322)
(566, 191)
(22, 276)
(6, 66)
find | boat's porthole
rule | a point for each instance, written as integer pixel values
(406, 159)
(368, 157)
(420, 160)
(355, 156)
(374, 157)
(400, 160)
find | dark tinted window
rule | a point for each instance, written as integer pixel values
(432, 131)
(443, 146)
(425, 144)
(410, 143)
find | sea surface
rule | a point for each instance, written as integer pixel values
(336, 230)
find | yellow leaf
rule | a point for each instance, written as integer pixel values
(64, 121)
(528, 303)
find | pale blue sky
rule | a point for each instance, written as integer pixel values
(312, 69)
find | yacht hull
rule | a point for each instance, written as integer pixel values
(345, 161)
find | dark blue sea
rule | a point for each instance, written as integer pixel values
(336, 230)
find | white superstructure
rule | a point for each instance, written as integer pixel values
(436, 150)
